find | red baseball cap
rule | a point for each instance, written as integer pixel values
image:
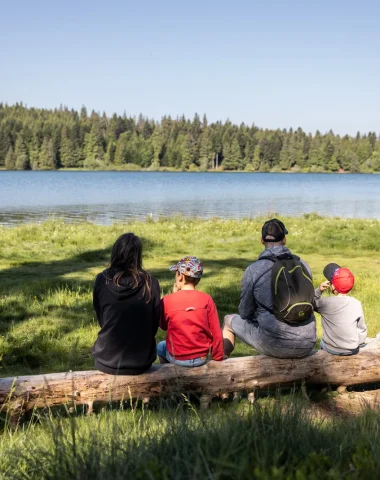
(343, 280)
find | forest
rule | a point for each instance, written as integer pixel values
(42, 139)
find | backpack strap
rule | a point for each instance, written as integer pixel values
(273, 259)
(269, 257)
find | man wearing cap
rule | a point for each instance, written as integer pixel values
(344, 328)
(256, 325)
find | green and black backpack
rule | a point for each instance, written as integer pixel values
(292, 289)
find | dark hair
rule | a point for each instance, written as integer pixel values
(126, 258)
(191, 280)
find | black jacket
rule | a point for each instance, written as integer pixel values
(125, 343)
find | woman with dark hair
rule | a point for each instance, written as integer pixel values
(127, 304)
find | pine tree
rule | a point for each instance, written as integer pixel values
(189, 151)
(364, 150)
(285, 159)
(21, 154)
(315, 157)
(121, 149)
(5, 144)
(10, 159)
(270, 146)
(68, 153)
(196, 127)
(109, 157)
(204, 122)
(206, 153)
(93, 148)
(332, 165)
(34, 153)
(83, 113)
(326, 156)
(249, 153)
(256, 158)
(47, 155)
(157, 142)
(233, 160)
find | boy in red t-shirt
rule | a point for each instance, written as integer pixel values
(191, 320)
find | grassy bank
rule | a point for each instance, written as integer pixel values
(47, 322)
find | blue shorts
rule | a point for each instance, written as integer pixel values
(193, 362)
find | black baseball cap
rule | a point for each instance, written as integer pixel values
(329, 270)
(273, 228)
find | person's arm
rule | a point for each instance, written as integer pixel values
(95, 301)
(163, 319)
(217, 350)
(318, 293)
(156, 300)
(362, 329)
(247, 305)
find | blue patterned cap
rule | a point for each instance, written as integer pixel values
(189, 266)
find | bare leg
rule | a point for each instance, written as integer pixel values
(228, 335)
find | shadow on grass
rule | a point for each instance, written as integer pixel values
(282, 442)
(41, 313)
(46, 318)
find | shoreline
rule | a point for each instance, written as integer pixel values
(166, 219)
(170, 170)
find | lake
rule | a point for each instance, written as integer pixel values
(107, 197)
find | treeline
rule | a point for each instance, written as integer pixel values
(42, 139)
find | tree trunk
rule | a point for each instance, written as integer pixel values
(20, 394)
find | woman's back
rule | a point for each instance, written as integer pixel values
(129, 323)
(127, 304)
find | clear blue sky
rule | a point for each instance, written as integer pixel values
(277, 63)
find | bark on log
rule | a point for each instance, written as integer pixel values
(20, 394)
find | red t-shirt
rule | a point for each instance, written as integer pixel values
(192, 322)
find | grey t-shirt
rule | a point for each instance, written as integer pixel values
(344, 328)
(256, 285)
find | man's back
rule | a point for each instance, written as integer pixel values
(256, 294)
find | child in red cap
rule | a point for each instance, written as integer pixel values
(344, 328)
(191, 320)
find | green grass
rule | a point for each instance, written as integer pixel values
(47, 324)
(280, 441)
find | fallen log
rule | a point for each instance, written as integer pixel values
(20, 394)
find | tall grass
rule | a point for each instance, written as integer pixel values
(262, 442)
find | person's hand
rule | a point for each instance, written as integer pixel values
(175, 288)
(324, 286)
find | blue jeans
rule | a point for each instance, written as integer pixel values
(251, 334)
(340, 354)
(193, 362)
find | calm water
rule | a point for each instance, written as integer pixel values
(106, 197)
